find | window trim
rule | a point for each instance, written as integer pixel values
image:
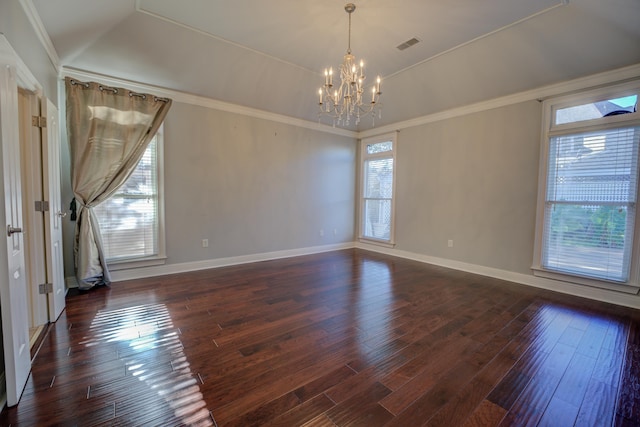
(161, 257)
(364, 156)
(550, 130)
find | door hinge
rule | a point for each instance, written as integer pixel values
(42, 206)
(39, 121)
(45, 288)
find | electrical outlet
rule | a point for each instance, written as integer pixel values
(205, 243)
(321, 232)
(450, 243)
(335, 231)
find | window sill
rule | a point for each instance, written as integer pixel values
(127, 264)
(372, 241)
(627, 288)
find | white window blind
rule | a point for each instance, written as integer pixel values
(378, 197)
(129, 220)
(590, 203)
(377, 192)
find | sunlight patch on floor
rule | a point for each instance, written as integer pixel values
(152, 343)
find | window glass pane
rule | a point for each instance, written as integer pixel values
(143, 180)
(378, 178)
(379, 147)
(129, 219)
(592, 241)
(594, 167)
(377, 219)
(376, 215)
(596, 110)
(590, 203)
(128, 227)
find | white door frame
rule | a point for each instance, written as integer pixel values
(13, 292)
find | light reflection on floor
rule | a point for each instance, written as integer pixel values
(149, 331)
(569, 354)
(374, 296)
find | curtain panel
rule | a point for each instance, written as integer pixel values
(108, 131)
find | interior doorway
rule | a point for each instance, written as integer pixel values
(22, 137)
(42, 212)
(34, 235)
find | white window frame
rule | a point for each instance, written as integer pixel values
(550, 130)
(160, 257)
(364, 157)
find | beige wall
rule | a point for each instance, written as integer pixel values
(252, 186)
(471, 179)
(249, 186)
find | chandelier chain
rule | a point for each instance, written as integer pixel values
(349, 43)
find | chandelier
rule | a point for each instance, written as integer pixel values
(348, 101)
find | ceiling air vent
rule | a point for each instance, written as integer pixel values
(407, 44)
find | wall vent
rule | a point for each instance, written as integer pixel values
(408, 44)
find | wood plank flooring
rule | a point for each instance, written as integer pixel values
(346, 338)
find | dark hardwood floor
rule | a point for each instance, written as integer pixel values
(347, 338)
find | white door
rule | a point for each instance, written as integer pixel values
(32, 220)
(13, 289)
(53, 217)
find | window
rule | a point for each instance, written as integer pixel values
(378, 177)
(589, 186)
(131, 220)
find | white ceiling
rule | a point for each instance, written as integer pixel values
(314, 34)
(269, 55)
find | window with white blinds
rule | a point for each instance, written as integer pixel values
(130, 220)
(378, 176)
(591, 188)
(591, 203)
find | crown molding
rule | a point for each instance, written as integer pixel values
(34, 18)
(202, 101)
(563, 88)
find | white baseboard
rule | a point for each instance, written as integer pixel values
(604, 295)
(161, 270)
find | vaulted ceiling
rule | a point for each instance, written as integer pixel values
(270, 55)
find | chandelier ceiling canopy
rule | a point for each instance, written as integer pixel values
(348, 101)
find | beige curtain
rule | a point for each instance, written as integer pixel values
(109, 130)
